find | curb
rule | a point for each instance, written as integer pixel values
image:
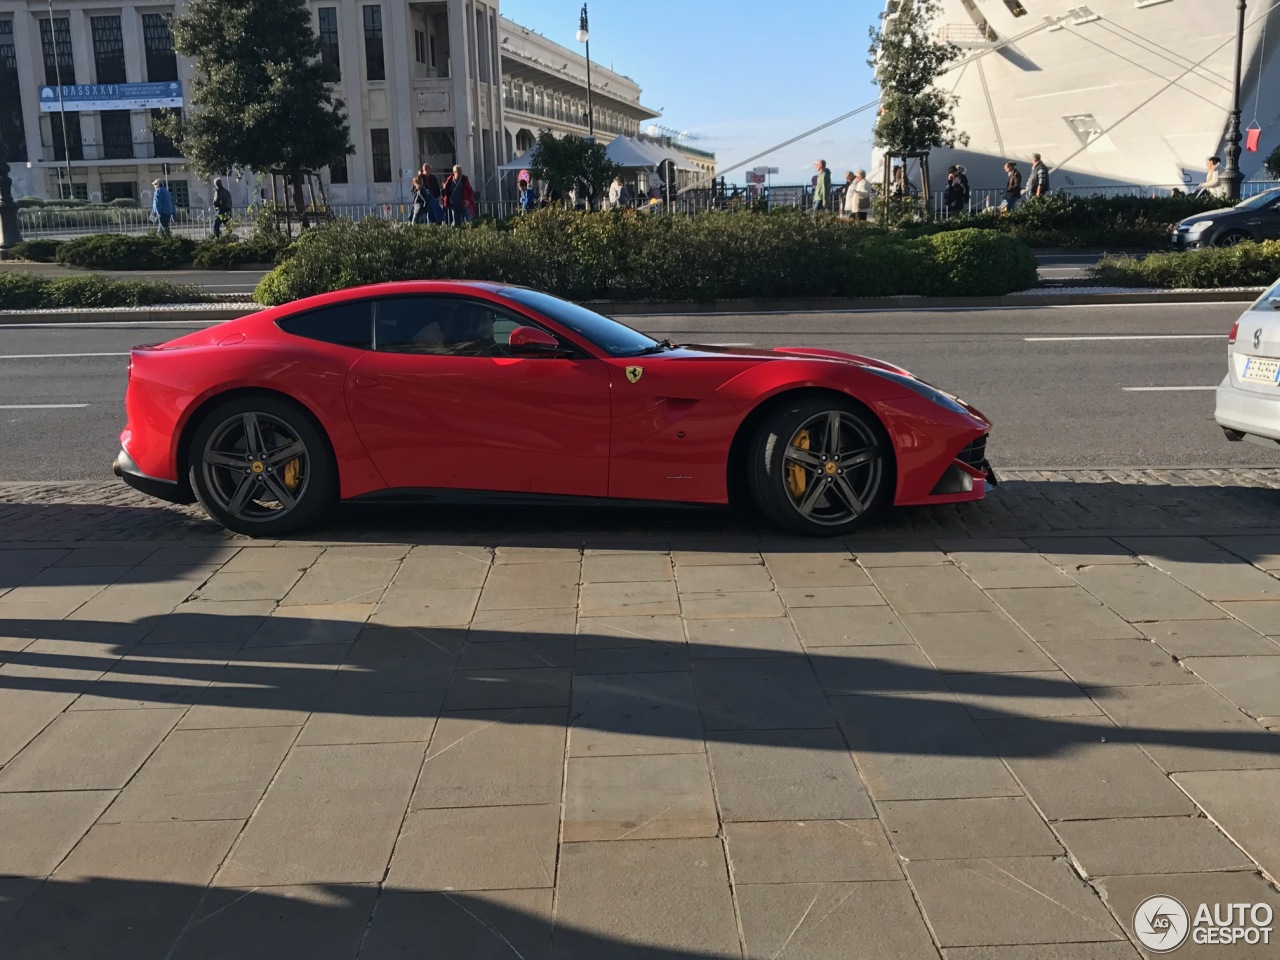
(216, 314)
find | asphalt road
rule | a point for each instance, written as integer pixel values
(1057, 381)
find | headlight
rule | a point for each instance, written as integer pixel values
(1201, 225)
(943, 400)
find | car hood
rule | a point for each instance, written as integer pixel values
(1209, 215)
(695, 351)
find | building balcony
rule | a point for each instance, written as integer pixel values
(968, 36)
(569, 118)
(164, 151)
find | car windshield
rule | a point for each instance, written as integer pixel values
(616, 339)
(1264, 199)
(1270, 299)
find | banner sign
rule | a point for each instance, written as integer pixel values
(111, 96)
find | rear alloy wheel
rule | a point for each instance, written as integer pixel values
(261, 467)
(821, 467)
(1231, 238)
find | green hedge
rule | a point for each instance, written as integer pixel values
(117, 251)
(24, 291)
(629, 256)
(218, 254)
(1244, 265)
(1115, 223)
(37, 251)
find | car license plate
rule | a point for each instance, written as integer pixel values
(1260, 370)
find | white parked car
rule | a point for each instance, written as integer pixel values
(1248, 399)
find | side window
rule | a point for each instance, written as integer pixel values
(344, 324)
(443, 326)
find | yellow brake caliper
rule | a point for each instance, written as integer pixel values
(292, 473)
(797, 479)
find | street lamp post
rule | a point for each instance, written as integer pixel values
(1231, 175)
(584, 36)
(10, 227)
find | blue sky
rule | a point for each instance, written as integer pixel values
(744, 75)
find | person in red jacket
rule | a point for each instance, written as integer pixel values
(458, 198)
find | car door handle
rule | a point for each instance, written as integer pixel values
(365, 381)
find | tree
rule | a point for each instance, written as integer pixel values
(260, 99)
(568, 162)
(915, 116)
(1272, 164)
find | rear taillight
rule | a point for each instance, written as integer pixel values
(1231, 337)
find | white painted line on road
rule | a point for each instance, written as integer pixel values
(1162, 389)
(56, 356)
(43, 406)
(1134, 336)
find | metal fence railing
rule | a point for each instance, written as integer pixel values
(989, 198)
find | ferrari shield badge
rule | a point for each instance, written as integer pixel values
(635, 373)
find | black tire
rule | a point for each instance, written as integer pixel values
(293, 467)
(1232, 237)
(851, 494)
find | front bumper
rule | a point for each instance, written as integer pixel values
(167, 490)
(1189, 241)
(1248, 415)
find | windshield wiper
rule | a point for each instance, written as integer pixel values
(657, 348)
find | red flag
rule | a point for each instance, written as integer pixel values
(1251, 138)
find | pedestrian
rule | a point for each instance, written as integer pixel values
(821, 186)
(221, 207)
(458, 198)
(1213, 184)
(1039, 177)
(951, 193)
(162, 206)
(962, 183)
(527, 197)
(1013, 186)
(846, 196)
(426, 208)
(898, 183)
(860, 192)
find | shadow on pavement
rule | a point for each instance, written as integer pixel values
(96, 918)
(892, 701)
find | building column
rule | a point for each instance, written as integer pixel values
(463, 67)
(398, 38)
(351, 44)
(26, 46)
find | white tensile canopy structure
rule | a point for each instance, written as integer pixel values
(627, 152)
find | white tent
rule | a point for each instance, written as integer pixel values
(633, 153)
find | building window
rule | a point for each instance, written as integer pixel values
(11, 125)
(66, 134)
(381, 139)
(73, 191)
(181, 193)
(329, 44)
(431, 50)
(419, 46)
(375, 65)
(164, 147)
(162, 62)
(117, 135)
(338, 171)
(1016, 8)
(119, 191)
(59, 64)
(108, 49)
(482, 48)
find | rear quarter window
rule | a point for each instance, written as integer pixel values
(344, 324)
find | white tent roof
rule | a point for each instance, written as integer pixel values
(521, 162)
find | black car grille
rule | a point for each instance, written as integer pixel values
(975, 454)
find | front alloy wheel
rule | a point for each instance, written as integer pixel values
(261, 467)
(821, 467)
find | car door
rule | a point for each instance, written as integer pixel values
(441, 402)
(1270, 226)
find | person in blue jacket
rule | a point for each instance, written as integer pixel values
(162, 206)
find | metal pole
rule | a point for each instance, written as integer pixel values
(591, 121)
(1231, 175)
(62, 104)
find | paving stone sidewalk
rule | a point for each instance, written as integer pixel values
(971, 734)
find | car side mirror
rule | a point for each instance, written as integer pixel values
(532, 342)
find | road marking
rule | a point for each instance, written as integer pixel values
(56, 356)
(1134, 336)
(43, 406)
(1162, 389)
